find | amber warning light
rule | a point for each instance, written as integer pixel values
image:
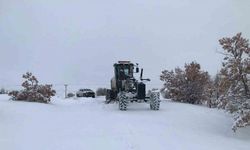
(123, 62)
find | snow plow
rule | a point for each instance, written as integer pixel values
(126, 89)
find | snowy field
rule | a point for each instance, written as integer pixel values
(89, 124)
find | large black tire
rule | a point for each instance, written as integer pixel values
(155, 101)
(123, 101)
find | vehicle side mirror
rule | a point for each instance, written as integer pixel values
(137, 70)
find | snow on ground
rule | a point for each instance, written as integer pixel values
(89, 124)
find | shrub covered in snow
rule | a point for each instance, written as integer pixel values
(190, 85)
(242, 117)
(101, 92)
(32, 91)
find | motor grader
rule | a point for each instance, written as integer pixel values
(126, 89)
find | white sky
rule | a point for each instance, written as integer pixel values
(77, 41)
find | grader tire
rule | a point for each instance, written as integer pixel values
(123, 101)
(155, 101)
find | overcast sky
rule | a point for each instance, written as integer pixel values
(77, 41)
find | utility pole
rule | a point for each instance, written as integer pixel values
(66, 88)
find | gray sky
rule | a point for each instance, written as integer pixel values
(78, 41)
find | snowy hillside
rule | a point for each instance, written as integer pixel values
(89, 124)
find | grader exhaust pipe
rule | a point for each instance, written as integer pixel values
(142, 76)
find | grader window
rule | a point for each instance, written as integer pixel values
(124, 72)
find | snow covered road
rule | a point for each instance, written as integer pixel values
(89, 124)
